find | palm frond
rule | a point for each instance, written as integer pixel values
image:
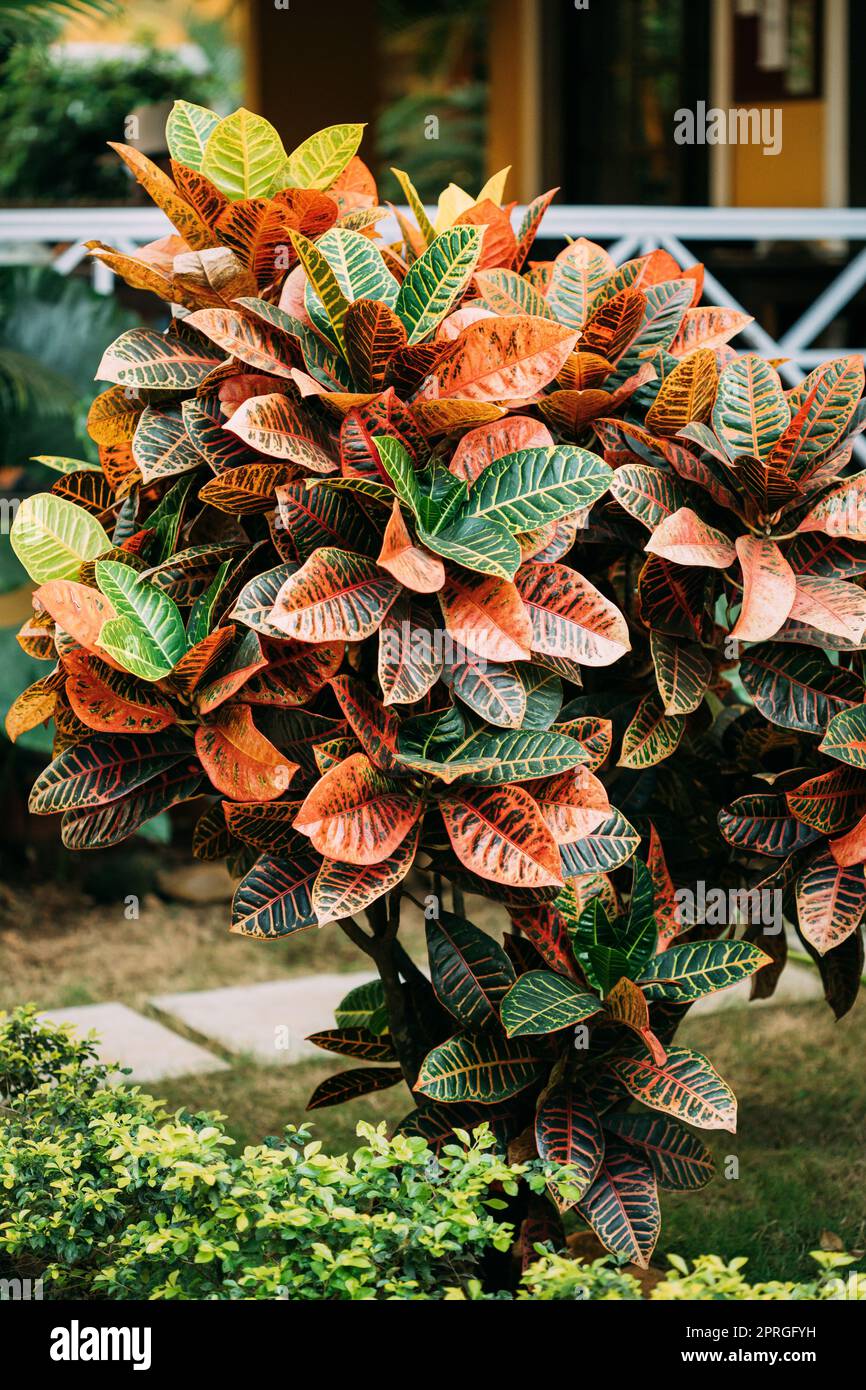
(26, 18)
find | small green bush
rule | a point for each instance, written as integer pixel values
(110, 1196)
(106, 1195)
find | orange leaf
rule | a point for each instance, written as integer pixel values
(509, 358)
(685, 395)
(499, 244)
(850, 848)
(113, 416)
(411, 564)
(240, 762)
(685, 539)
(33, 706)
(830, 605)
(78, 610)
(500, 834)
(487, 616)
(195, 232)
(627, 1003)
(484, 445)
(572, 804)
(356, 814)
(115, 704)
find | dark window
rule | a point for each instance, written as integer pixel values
(622, 69)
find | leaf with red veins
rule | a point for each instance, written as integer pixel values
(486, 615)
(356, 814)
(240, 762)
(573, 804)
(500, 834)
(830, 605)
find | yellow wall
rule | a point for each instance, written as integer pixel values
(792, 178)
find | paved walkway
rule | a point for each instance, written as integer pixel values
(269, 1021)
(129, 1038)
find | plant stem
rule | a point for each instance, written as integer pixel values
(390, 958)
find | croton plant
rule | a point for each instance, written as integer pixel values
(424, 567)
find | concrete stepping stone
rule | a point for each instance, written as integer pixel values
(268, 1021)
(151, 1050)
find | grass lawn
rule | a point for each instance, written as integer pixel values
(801, 1141)
(59, 949)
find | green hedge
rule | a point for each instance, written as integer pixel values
(106, 1195)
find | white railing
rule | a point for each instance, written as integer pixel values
(57, 235)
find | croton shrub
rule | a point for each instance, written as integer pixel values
(426, 557)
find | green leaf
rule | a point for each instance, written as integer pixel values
(525, 490)
(597, 947)
(436, 280)
(542, 1002)
(521, 754)
(469, 970)
(326, 285)
(364, 1007)
(482, 1067)
(797, 687)
(680, 1160)
(684, 973)
(568, 1132)
(476, 544)
(652, 735)
(416, 207)
(358, 266)
(243, 155)
(52, 537)
(58, 464)
(682, 671)
(201, 613)
(397, 463)
(320, 159)
(751, 413)
(187, 130)
(148, 630)
(845, 738)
